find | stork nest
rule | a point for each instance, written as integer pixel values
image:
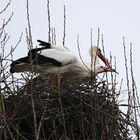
(82, 110)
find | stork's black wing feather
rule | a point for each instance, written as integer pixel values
(42, 60)
(43, 43)
(37, 59)
(33, 52)
(19, 61)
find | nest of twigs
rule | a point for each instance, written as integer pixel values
(81, 110)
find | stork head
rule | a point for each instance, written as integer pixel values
(96, 53)
(100, 69)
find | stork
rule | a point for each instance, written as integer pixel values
(52, 59)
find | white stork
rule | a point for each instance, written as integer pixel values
(52, 59)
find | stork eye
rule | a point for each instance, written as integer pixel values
(99, 49)
(101, 67)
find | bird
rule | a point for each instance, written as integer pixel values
(53, 60)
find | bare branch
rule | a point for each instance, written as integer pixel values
(64, 32)
(49, 21)
(5, 23)
(80, 53)
(30, 42)
(13, 48)
(6, 7)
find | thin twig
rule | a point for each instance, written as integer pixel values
(64, 32)
(30, 45)
(30, 42)
(13, 48)
(133, 91)
(80, 53)
(8, 20)
(40, 123)
(128, 88)
(61, 105)
(49, 21)
(4, 9)
(103, 47)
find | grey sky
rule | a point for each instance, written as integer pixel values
(115, 18)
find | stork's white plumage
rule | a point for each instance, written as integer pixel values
(51, 59)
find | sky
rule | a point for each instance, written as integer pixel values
(115, 19)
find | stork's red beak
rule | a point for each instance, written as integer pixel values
(106, 69)
(105, 60)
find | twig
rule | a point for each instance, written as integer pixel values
(98, 39)
(49, 21)
(92, 59)
(133, 91)
(128, 88)
(30, 45)
(103, 47)
(30, 42)
(5, 23)
(61, 105)
(13, 48)
(6, 7)
(40, 123)
(64, 32)
(11, 135)
(80, 53)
